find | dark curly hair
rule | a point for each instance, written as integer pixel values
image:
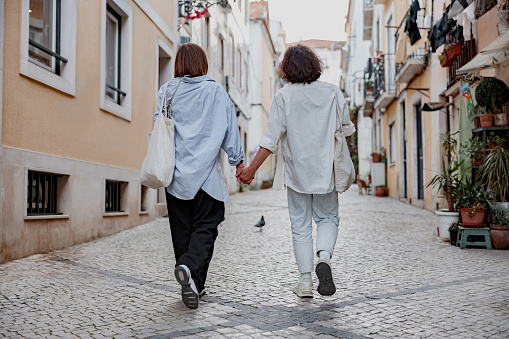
(300, 65)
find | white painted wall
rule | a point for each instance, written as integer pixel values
(331, 65)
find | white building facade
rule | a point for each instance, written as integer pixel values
(358, 51)
(224, 33)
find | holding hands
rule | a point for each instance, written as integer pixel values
(245, 175)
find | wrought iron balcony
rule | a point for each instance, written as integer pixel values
(384, 88)
(468, 52)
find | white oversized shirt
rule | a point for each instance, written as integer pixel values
(304, 118)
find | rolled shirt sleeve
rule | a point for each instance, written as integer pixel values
(276, 125)
(232, 144)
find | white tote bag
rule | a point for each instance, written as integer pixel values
(344, 171)
(159, 164)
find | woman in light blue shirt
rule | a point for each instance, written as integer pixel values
(205, 123)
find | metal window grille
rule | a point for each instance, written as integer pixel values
(54, 54)
(42, 193)
(113, 196)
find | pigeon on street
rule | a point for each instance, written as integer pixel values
(260, 223)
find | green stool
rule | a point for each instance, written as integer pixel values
(464, 232)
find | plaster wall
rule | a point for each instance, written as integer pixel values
(55, 123)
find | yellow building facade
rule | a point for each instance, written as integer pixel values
(402, 132)
(80, 80)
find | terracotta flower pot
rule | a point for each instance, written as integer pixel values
(499, 237)
(453, 52)
(500, 119)
(476, 220)
(381, 191)
(486, 120)
(376, 157)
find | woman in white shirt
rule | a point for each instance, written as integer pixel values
(303, 118)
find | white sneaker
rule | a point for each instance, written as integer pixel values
(304, 288)
(324, 273)
(189, 292)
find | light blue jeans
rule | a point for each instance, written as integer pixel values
(323, 209)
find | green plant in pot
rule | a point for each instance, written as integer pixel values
(376, 156)
(499, 231)
(494, 172)
(491, 94)
(445, 183)
(453, 232)
(381, 190)
(472, 148)
(472, 201)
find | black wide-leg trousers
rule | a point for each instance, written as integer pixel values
(193, 225)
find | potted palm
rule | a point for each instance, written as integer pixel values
(491, 94)
(494, 173)
(445, 183)
(499, 231)
(472, 201)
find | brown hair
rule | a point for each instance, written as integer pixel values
(191, 60)
(300, 65)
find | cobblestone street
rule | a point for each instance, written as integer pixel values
(393, 278)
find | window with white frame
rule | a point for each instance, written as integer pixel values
(392, 143)
(48, 43)
(241, 71)
(116, 59)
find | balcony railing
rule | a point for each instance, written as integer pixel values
(421, 53)
(468, 52)
(380, 85)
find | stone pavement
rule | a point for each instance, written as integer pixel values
(394, 279)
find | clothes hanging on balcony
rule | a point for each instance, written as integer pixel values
(411, 27)
(466, 19)
(457, 7)
(438, 33)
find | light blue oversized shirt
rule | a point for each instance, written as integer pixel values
(205, 123)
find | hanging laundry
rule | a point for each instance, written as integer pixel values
(411, 27)
(457, 7)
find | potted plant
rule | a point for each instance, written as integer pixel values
(453, 51)
(369, 87)
(445, 183)
(491, 94)
(444, 60)
(472, 148)
(494, 172)
(499, 231)
(376, 156)
(381, 190)
(471, 201)
(453, 232)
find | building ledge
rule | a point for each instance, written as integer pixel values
(385, 100)
(46, 217)
(410, 69)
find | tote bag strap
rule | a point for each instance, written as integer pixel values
(338, 111)
(163, 104)
(173, 96)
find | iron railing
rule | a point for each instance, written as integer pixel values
(421, 53)
(383, 82)
(42, 193)
(468, 52)
(113, 196)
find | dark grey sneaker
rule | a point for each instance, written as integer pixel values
(325, 282)
(189, 293)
